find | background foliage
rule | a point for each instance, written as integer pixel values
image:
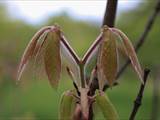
(35, 99)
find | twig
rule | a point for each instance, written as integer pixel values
(137, 102)
(110, 13)
(143, 36)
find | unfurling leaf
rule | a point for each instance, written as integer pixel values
(66, 106)
(90, 59)
(52, 59)
(129, 49)
(29, 51)
(70, 62)
(107, 60)
(93, 75)
(38, 55)
(107, 108)
(91, 63)
(121, 50)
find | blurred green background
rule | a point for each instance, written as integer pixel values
(35, 99)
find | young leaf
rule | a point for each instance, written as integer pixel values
(29, 51)
(38, 55)
(40, 43)
(91, 63)
(129, 49)
(101, 77)
(92, 76)
(70, 62)
(66, 105)
(107, 108)
(107, 59)
(90, 57)
(52, 58)
(122, 50)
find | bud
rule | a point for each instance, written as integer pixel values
(66, 106)
(107, 108)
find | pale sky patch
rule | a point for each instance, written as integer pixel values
(38, 11)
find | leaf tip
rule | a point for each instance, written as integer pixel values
(56, 29)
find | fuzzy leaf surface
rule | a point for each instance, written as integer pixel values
(29, 51)
(107, 61)
(52, 59)
(129, 49)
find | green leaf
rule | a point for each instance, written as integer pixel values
(52, 59)
(106, 107)
(129, 49)
(66, 106)
(107, 60)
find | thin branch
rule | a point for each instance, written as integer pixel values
(110, 13)
(143, 36)
(137, 102)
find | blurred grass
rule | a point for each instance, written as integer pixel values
(36, 100)
(42, 101)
